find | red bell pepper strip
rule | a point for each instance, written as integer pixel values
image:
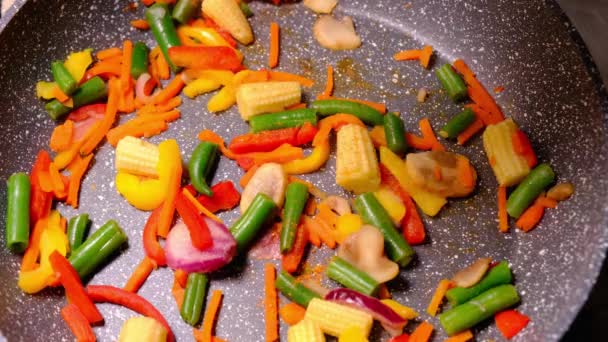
(77, 323)
(306, 134)
(225, 197)
(205, 57)
(152, 248)
(115, 295)
(264, 141)
(69, 279)
(291, 261)
(401, 338)
(40, 200)
(199, 231)
(225, 34)
(523, 147)
(413, 228)
(510, 322)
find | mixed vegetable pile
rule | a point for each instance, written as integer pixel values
(392, 174)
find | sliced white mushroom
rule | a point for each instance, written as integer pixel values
(321, 6)
(336, 34)
(424, 166)
(365, 250)
(338, 204)
(269, 179)
(471, 275)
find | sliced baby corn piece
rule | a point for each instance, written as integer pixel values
(228, 15)
(509, 167)
(137, 157)
(334, 318)
(356, 163)
(305, 331)
(266, 97)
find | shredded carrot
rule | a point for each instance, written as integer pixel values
(60, 95)
(461, 337)
(531, 217)
(327, 215)
(378, 136)
(139, 276)
(311, 207)
(425, 56)
(275, 41)
(147, 125)
(383, 292)
(256, 76)
(32, 252)
(57, 181)
(178, 293)
(270, 304)
(77, 168)
(407, 55)
(470, 131)
(417, 142)
(163, 67)
(208, 135)
(107, 121)
(296, 106)
(479, 94)
(282, 154)
(503, 219)
(108, 53)
(140, 24)
(173, 89)
(247, 176)
(44, 177)
(200, 207)
(182, 277)
(318, 227)
(286, 76)
(206, 334)
(546, 202)
(104, 69)
(292, 313)
(152, 66)
(159, 108)
(125, 69)
(442, 288)
(290, 261)
(429, 135)
(422, 333)
(465, 172)
(312, 189)
(329, 86)
(381, 107)
(313, 237)
(62, 136)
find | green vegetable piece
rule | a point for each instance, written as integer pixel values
(90, 91)
(350, 276)
(139, 59)
(457, 124)
(18, 212)
(249, 224)
(394, 130)
(295, 201)
(286, 119)
(527, 191)
(293, 290)
(97, 249)
(498, 275)
(366, 113)
(161, 24)
(373, 213)
(202, 162)
(478, 309)
(184, 10)
(452, 83)
(246, 9)
(194, 298)
(77, 230)
(63, 78)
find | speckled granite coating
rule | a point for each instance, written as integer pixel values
(551, 89)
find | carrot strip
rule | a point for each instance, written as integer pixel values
(160, 108)
(461, 337)
(77, 170)
(62, 136)
(270, 304)
(286, 76)
(503, 219)
(178, 292)
(327, 215)
(247, 176)
(104, 69)
(418, 142)
(182, 277)
(290, 261)
(425, 56)
(29, 261)
(210, 316)
(547, 202)
(407, 55)
(292, 313)
(465, 172)
(318, 228)
(329, 86)
(275, 41)
(422, 333)
(282, 154)
(531, 217)
(108, 53)
(381, 107)
(378, 136)
(173, 89)
(163, 67)
(200, 207)
(429, 135)
(107, 121)
(383, 292)
(208, 135)
(152, 66)
(57, 181)
(139, 276)
(125, 70)
(135, 129)
(470, 131)
(296, 106)
(312, 189)
(479, 94)
(60, 95)
(442, 288)
(140, 24)
(311, 207)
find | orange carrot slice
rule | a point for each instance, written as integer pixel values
(273, 58)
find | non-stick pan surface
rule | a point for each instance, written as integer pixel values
(551, 89)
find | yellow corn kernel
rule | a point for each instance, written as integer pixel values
(305, 331)
(356, 162)
(352, 334)
(142, 329)
(392, 203)
(346, 225)
(401, 310)
(266, 97)
(228, 15)
(200, 86)
(334, 318)
(137, 157)
(508, 166)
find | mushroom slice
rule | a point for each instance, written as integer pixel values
(269, 179)
(321, 6)
(472, 274)
(439, 172)
(338, 204)
(336, 34)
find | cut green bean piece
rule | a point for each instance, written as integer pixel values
(364, 112)
(77, 230)
(246, 9)
(497, 275)
(527, 191)
(285, 119)
(394, 130)
(452, 83)
(63, 78)
(251, 222)
(194, 298)
(457, 124)
(184, 10)
(295, 201)
(139, 59)
(161, 25)
(18, 212)
(293, 290)
(90, 91)
(350, 276)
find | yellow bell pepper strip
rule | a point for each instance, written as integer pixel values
(223, 100)
(314, 161)
(143, 194)
(206, 36)
(224, 77)
(45, 90)
(200, 86)
(53, 238)
(78, 62)
(428, 202)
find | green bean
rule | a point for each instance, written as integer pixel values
(525, 193)
(394, 130)
(201, 164)
(457, 124)
(18, 212)
(77, 229)
(498, 275)
(465, 316)
(63, 78)
(194, 298)
(161, 25)
(90, 91)
(97, 248)
(139, 59)
(246, 9)
(249, 224)
(452, 83)
(286, 119)
(366, 113)
(295, 200)
(373, 213)
(348, 275)
(293, 290)
(185, 9)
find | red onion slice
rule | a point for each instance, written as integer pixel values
(140, 87)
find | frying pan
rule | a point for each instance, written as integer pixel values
(551, 89)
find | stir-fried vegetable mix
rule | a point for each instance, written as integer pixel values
(393, 174)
